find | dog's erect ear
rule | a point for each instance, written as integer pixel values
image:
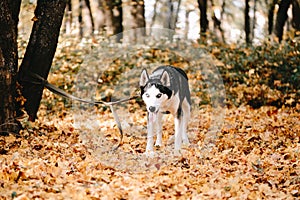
(144, 78)
(165, 79)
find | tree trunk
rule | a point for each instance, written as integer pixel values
(88, 5)
(202, 4)
(114, 18)
(68, 17)
(271, 16)
(281, 18)
(247, 22)
(187, 23)
(80, 18)
(100, 17)
(9, 11)
(175, 18)
(296, 15)
(169, 18)
(40, 51)
(253, 21)
(138, 18)
(154, 14)
(118, 19)
(217, 20)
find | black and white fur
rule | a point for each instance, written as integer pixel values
(166, 90)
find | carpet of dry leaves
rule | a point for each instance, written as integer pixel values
(256, 156)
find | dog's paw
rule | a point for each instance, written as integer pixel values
(158, 144)
(157, 147)
(177, 152)
(185, 142)
(149, 153)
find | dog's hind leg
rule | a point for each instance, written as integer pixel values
(178, 129)
(158, 124)
(185, 119)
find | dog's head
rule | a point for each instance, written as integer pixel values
(155, 91)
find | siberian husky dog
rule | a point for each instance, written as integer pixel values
(165, 91)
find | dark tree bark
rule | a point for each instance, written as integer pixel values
(138, 16)
(15, 6)
(281, 18)
(40, 51)
(296, 15)
(271, 16)
(202, 4)
(114, 18)
(8, 65)
(247, 22)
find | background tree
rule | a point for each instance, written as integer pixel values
(281, 18)
(114, 18)
(40, 51)
(202, 4)
(137, 12)
(271, 16)
(154, 14)
(68, 17)
(247, 22)
(165, 13)
(100, 16)
(217, 16)
(87, 4)
(296, 15)
(9, 10)
(172, 14)
(187, 23)
(253, 20)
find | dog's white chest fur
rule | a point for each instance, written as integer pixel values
(166, 91)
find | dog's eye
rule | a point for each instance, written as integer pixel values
(147, 95)
(158, 96)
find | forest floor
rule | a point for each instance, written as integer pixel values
(255, 153)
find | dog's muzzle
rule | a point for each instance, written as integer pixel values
(152, 114)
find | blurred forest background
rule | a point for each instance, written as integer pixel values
(237, 21)
(256, 41)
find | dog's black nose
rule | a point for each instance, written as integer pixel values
(151, 108)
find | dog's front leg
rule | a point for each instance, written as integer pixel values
(178, 135)
(150, 129)
(158, 125)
